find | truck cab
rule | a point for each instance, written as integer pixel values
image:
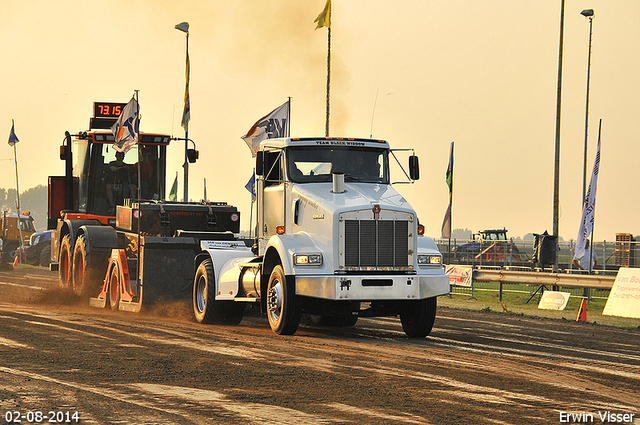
(334, 239)
(103, 177)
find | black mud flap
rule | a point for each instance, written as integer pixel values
(167, 268)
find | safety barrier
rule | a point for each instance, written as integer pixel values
(525, 280)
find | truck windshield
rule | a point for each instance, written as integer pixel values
(26, 224)
(315, 164)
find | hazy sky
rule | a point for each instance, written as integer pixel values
(482, 74)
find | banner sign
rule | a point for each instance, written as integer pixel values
(554, 300)
(624, 298)
(460, 275)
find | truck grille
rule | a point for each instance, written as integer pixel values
(376, 244)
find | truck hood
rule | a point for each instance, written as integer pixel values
(358, 196)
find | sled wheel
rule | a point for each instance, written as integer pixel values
(113, 294)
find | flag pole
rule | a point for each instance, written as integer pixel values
(324, 20)
(139, 152)
(450, 206)
(288, 133)
(139, 143)
(186, 126)
(328, 77)
(15, 158)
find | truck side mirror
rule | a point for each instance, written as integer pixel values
(192, 155)
(414, 168)
(64, 152)
(260, 163)
(65, 149)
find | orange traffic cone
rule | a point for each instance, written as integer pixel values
(15, 262)
(582, 312)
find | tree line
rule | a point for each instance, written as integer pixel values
(33, 200)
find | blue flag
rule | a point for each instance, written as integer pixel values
(13, 139)
(251, 186)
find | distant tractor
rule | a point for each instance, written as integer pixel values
(11, 229)
(488, 246)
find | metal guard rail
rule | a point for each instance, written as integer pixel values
(543, 278)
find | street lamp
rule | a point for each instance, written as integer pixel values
(184, 27)
(587, 13)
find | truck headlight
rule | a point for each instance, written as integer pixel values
(307, 259)
(424, 260)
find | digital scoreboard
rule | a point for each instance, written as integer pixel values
(107, 109)
(105, 114)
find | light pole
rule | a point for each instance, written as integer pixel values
(587, 13)
(184, 27)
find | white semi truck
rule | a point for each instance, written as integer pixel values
(333, 240)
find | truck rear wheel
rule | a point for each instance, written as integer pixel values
(205, 308)
(45, 256)
(417, 317)
(65, 257)
(88, 270)
(283, 306)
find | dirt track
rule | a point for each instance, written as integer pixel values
(161, 367)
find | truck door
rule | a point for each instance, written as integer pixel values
(273, 204)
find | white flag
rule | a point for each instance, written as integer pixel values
(127, 128)
(272, 125)
(589, 208)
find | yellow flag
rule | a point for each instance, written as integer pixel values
(324, 18)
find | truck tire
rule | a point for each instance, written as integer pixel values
(45, 256)
(205, 308)
(65, 265)
(113, 293)
(417, 317)
(283, 306)
(89, 269)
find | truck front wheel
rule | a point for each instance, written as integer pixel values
(417, 317)
(283, 306)
(205, 308)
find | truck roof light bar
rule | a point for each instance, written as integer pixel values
(303, 139)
